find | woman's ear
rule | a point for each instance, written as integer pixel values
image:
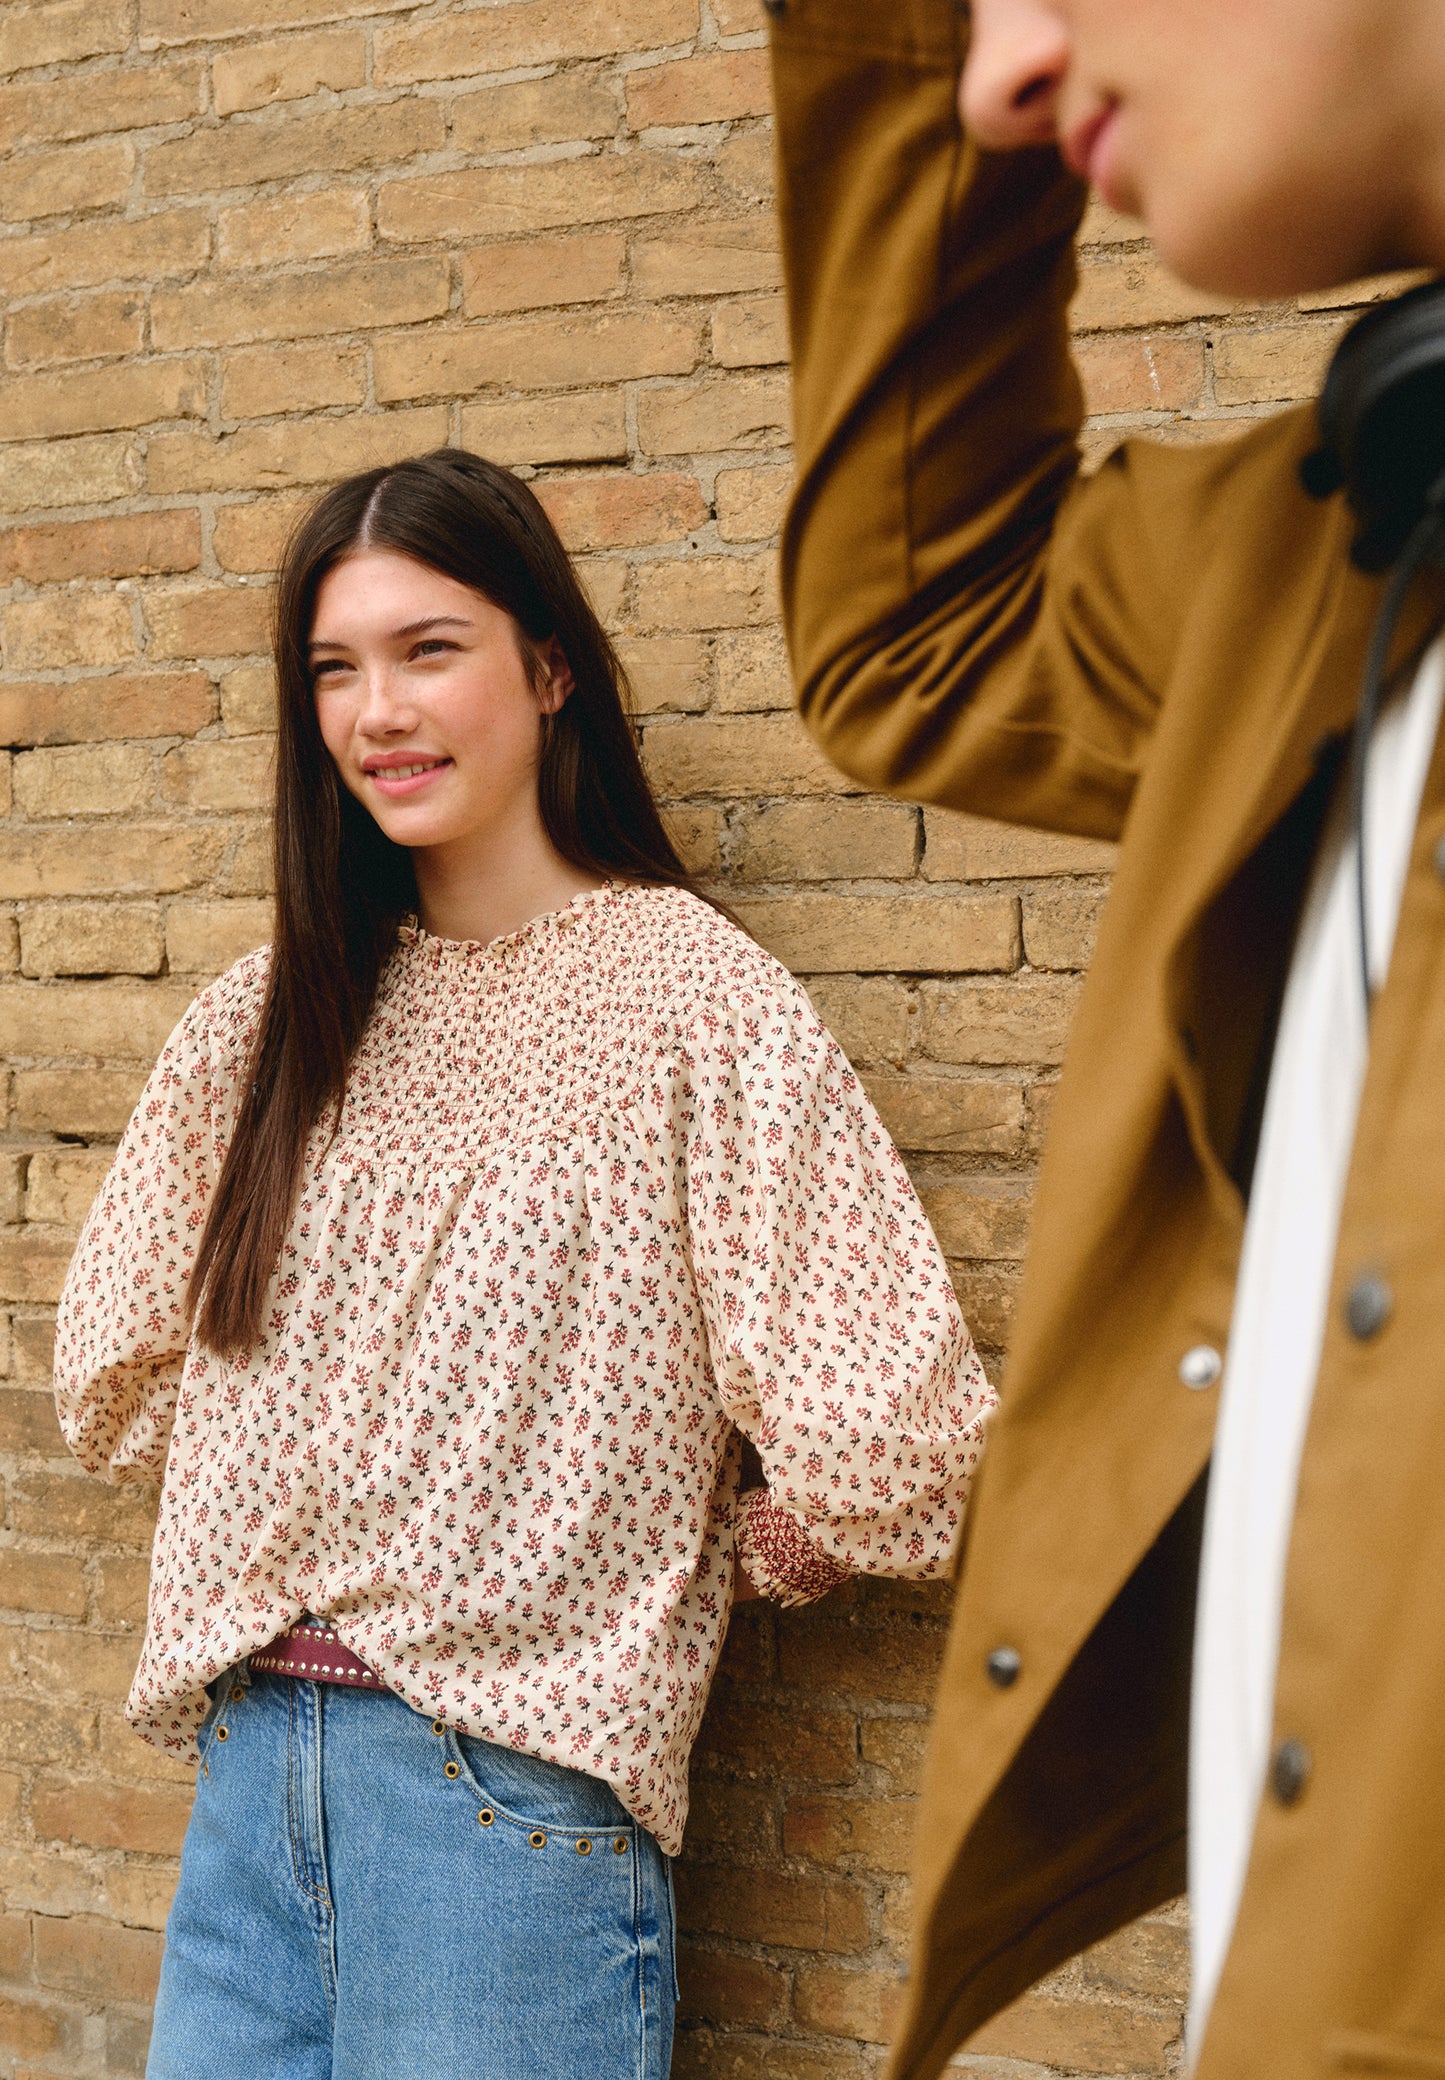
(555, 680)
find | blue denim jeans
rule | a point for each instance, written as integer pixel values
(367, 1895)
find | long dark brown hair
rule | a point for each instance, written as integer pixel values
(342, 886)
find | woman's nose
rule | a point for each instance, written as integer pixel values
(385, 708)
(1018, 55)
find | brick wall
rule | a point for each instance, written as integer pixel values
(249, 245)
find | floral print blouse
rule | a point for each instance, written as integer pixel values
(604, 1195)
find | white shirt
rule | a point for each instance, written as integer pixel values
(1279, 1316)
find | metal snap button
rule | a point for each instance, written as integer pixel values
(485, 1817)
(452, 1769)
(223, 1733)
(1368, 1306)
(619, 1846)
(438, 1726)
(1200, 1367)
(1003, 1666)
(237, 1694)
(584, 1847)
(537, 1838)
(1289, 1771)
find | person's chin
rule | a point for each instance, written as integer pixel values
(1257, 255)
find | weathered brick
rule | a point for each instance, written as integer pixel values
(498, 201)
(74, 1508)
(231, 774)
(973, 848)
(148, 704)
(67, 473)
(526, 275)
(97, 1959)
(91, 939)
(85, 628)
(533, 354)
(150, 1818)
(75, 1101)
(84, 780)
(1274, 364)
(91, 103)
(303, 451)
(208, 621)
(254, 74)
(769, 1906)
(735, 755)
(248, 700)
(57, 30)
(744, 1733)
(838, 2003)
(833, 934)
(259, 381)
(732, 1820)
(750, 333)
(335, 299)
(988, 1295)
(979, 1216)
(534, 32)
(1149, 1961)
(139, 249)
(1060, 926)
(120, 1599)
(250, 870)
(898, 1663)
(720, 1987)
(897, 1746)
(294, 227)
(32, 2027)
(709, 258)
(28, 1421)
(1080, 2035)
(33, 1260)
(164, 22)
(284, 146)
(666, 673)
(60, 1183)
(94, 399)
(40, 334)
(868, 1017)
(205, 938)
(1118, 290)
(825, 841)
(131, 545)
(697, 834)
(556, 110)
(712, 88)
(751, 502)
(251, 538)
(714, 413)
(957, 1115)
(53, 184)
(1126, 373)
(1026, 1019)
(872, 1832)
(616, 512)
(752, 671)
(49, 1582)
(709, 592)
(587, 426)
(40, 1020)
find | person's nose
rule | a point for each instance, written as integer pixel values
(385, 710)
(1018, 55)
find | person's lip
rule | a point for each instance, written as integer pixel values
(403, 773)
(1085, 148)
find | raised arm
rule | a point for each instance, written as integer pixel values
(969, 623)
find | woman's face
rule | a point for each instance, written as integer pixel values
(425, 701)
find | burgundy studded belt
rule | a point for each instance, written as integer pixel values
(310, 1650)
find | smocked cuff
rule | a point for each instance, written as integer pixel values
(778, 1557)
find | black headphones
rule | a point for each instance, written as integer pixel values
(1382, 442)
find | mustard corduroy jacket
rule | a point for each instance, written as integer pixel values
(1167, 654)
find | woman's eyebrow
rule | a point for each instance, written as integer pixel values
(411, 628)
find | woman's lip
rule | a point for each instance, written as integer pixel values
(388, 781)
(1087, 143)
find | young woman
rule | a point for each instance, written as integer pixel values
(458, 1239)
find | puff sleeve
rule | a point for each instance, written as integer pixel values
(835, 1338)
(122, 1331)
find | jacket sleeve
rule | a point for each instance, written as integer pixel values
(835, 1338)
(969, 622)
(122, 1332)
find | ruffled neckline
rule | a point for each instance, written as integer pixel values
(547, 924)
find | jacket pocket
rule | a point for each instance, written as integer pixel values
(1360, 2055)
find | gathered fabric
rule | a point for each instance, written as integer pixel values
(602, 1195)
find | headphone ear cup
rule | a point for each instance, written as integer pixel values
(1382, 421)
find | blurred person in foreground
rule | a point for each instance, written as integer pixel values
(1248, 1150)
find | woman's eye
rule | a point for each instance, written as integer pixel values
(432, 646)
(328, 667)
